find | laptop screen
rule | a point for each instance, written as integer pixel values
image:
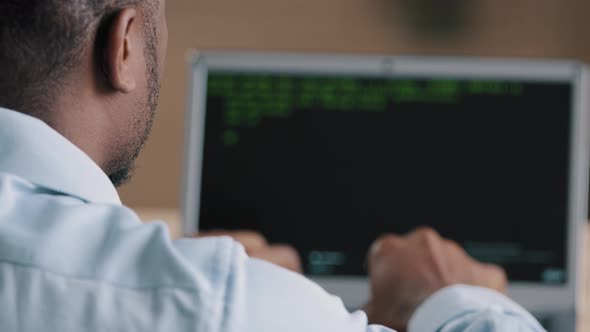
(329, 163)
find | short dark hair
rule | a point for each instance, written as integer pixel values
(41, 41)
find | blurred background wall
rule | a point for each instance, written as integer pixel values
(515, 28)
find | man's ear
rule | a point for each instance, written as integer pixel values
(120, 51)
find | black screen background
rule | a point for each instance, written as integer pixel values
(486, 171)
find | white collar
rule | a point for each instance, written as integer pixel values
(30, 149)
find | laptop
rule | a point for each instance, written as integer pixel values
(327, 152)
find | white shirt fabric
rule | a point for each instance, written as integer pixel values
(72, 258)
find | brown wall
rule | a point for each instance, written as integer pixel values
(524, 28)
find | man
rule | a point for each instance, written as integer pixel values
(79, 84)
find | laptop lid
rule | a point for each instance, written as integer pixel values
(327, 152)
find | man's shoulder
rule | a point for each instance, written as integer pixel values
(60, 254)
(124, 279)
(109, 243)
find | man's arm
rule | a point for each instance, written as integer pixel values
(467, 308)
(279, 300)
(415, 286)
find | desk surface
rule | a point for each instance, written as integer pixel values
(172, 218)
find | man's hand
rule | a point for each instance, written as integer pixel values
(256, 246)
(405, 271)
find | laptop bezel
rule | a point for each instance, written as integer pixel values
(354, 290)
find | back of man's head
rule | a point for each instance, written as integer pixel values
(89, 68)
